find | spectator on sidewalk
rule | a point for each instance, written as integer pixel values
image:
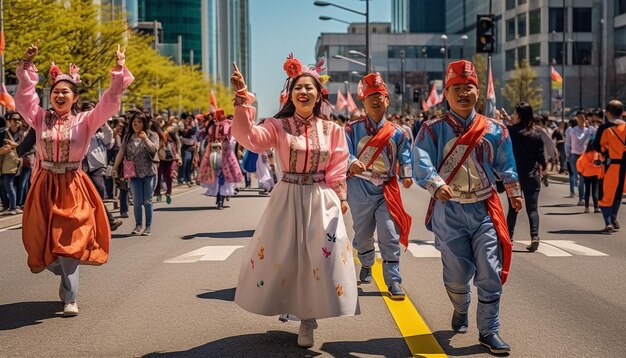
(139, 147)
(558, 136)
(95, 161)
(11, 163)
(169, 157)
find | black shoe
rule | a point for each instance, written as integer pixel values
(396, 292)
(494, 343)
(534, 244)
(365, 275)
(615, 224)
(460, 322)
(115, 224)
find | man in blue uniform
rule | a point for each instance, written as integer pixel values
(377, 147)
(456, 157)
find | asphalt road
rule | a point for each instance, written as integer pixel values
(562, 301)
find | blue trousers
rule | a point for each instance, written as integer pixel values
(466, 238)
(369, 212)
(142, 189)
(575, 176)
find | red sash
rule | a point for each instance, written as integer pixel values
(391, 189)
(492, 204)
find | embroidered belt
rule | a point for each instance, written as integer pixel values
(303, 178)
(375, 178)
(60, 167)
(470, 197)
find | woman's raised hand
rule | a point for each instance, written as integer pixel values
(31, 51)
(239, 84)
(120, 57)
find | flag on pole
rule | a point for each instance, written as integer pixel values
(341, 101)
(557, 80)
(350, 102)
(433, 99)
(2, 43)
(490, 100)
(5, 98)
(214, 106)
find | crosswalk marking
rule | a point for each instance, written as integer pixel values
(550, 248)
(207, 253)
(423, 249)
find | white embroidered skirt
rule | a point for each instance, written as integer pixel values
(299, 261)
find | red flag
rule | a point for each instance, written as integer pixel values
(214, 106)
(433, 98)
(490, 100)
(341, 101)
(2, 44)
(351, 105)
(6, 99)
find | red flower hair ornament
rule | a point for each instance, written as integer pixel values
(56, 75)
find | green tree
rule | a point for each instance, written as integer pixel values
(80, 32)
(480, 63)
(523, 87)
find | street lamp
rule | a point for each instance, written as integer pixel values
(367, 26)
(444, 50)
(340, 57)
(326, 18)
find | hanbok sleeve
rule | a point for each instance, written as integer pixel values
(405, 158)
(111, 99)
(257, 138)
(338, 162)
(352, 144)
(26, 99)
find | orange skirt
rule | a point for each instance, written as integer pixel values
(64, 216)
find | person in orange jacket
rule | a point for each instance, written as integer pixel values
(590, 166)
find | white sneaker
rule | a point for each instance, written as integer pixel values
(70, 309)
(305, 334)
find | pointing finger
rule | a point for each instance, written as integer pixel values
(235, 68)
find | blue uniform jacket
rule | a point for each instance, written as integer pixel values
(398, 150)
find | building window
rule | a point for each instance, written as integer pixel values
(582, 53)
(521, 2)
(510, 60)
(510, 29)
(534, 54)
(620, 6)
(510, 4)
(555, 51)
(581, 17)
(521, 55)
(619, 39)
(556, 20)
(534, 22)
(521, 25)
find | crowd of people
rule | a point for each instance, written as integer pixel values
(316, 165)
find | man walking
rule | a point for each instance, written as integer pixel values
(377, 147)
(456, 158)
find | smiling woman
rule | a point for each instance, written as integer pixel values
(300, 260)
(67, 220)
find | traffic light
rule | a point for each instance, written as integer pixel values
(485, 34)
(398, 89)
(416, 95)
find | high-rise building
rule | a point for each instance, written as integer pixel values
(209, 33)
(418, 16)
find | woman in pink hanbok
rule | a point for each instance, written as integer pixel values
(65, 222)
(299, 261)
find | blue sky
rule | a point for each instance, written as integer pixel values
(282, 26)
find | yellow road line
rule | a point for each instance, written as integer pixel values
(414, 330)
